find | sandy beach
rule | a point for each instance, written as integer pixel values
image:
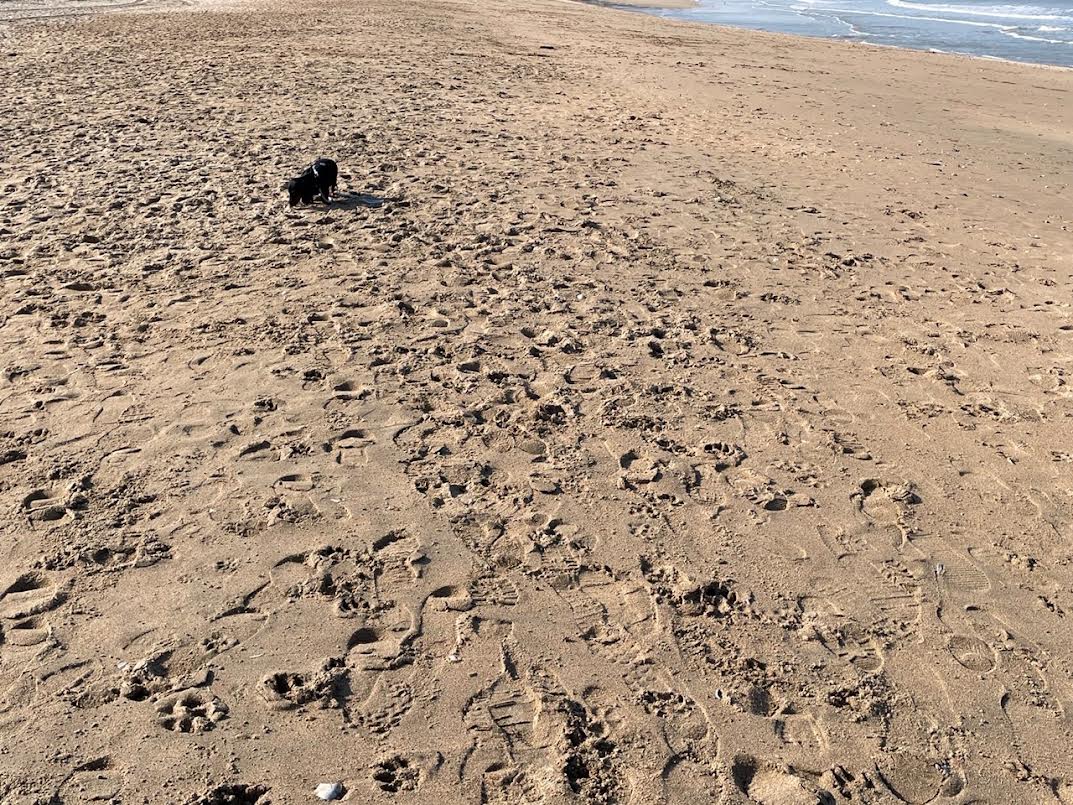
(660, 414)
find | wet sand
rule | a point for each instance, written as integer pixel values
(652, 4)
(661, 414)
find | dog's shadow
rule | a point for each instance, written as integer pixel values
(352, 201)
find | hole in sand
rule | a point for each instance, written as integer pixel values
(363, 637)
(387, 539)
(27, 582)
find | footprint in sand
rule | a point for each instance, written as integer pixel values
(346, 578)
(450, 598)
(381, 676)
(706, 485)
(885, 588)
(321, 688)
(474, 632)
(385, 643)
(896, 597)
(532, 743)
(347, 390)
(802, 730)
(846, 444)
(885, 503)
(606, 609)
(775, 784)
(43, 506)
(972, 653)
(204, 424)
(96, 780)
(683, 779)
(494, 591)
(840, 635)
(384, 708)
(171, 666)
(690, 773)
(296, 482)
(233, 794)
(26, 632)
(956, 574)
(258, 450)
(1035, 703)
(400, 561)
(348, 449)
(617, 618)
(761, 490)
(31, 594)
(919, 765)
(486, 536)
(588, 377)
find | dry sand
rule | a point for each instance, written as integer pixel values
(663, 414)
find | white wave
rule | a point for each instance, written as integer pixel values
(997, 12)
(1008, 30)
(1030, 38)
(971, 23)
(857, 31)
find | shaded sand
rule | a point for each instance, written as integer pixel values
(663, 414)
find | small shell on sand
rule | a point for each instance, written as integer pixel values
(329, 791)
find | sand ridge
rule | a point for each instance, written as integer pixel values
(663, 414)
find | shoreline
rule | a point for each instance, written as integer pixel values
(654, 8)
(642, 5)
(999, 59)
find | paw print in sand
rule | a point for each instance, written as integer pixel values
(397, 774)
(190, 711)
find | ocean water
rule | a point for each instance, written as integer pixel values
(1040, 32)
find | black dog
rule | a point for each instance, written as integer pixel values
(318, 179)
